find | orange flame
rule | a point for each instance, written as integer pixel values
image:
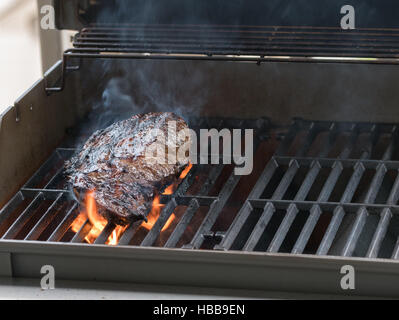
(98, 222)
(186, 171)
(115, 236)
(157, 206)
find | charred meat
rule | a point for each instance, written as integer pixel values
(115, 163)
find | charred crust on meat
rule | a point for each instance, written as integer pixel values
(112, 162)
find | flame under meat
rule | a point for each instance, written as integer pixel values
(97, 222)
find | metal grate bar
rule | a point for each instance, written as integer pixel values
(351, 207)
(60, 154)
(362, 214)
(386, 214)
(353, 182)
(395, 254)
(183, 223)
(105, 234)
(379, 234)
(385, 218)
(293, 210)
(24, 217)
(11, 206)
(193, 207)
(375, 184)
(269, 209)
(332, 230)
(346, 163)
(315, 212)
(355, 232)
(257, 40)
(286, 180)
(339, 211)
(260, 226)
(324, 195)
(246, 209)
(214, 211)
(65, 224)
(83, 232)
(43, 170)
(155, 231)
(44, 220)
(129, 233)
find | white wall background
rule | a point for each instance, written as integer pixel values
(20, 64)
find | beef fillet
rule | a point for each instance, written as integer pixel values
(114, 162)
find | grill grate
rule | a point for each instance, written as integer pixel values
(326, 188)
(228, 40)
(292, 156)
(226, 43)
(48, 184)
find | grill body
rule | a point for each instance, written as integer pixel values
(324, 196)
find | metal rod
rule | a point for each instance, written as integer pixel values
(386, 214)
(63, 227)
(362, 214)
(293, 210)
(395, 254)
(193, 207)
(44, 220)
(165, 54)
(11, 206)
(83, 232)
(379, 234)
(129, 233)
(20, 222)
(315, 212)
(383, 224)
(105, 234)
(339, 211)
(214, 211)
(246, 209)
(182, 225)
(268, 210)
(155, 231)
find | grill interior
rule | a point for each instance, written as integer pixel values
(322, 188)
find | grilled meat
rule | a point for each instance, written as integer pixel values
(114, 162)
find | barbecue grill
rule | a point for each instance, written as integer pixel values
(322, 102)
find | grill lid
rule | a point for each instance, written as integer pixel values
(75, 14)
(233, 27)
